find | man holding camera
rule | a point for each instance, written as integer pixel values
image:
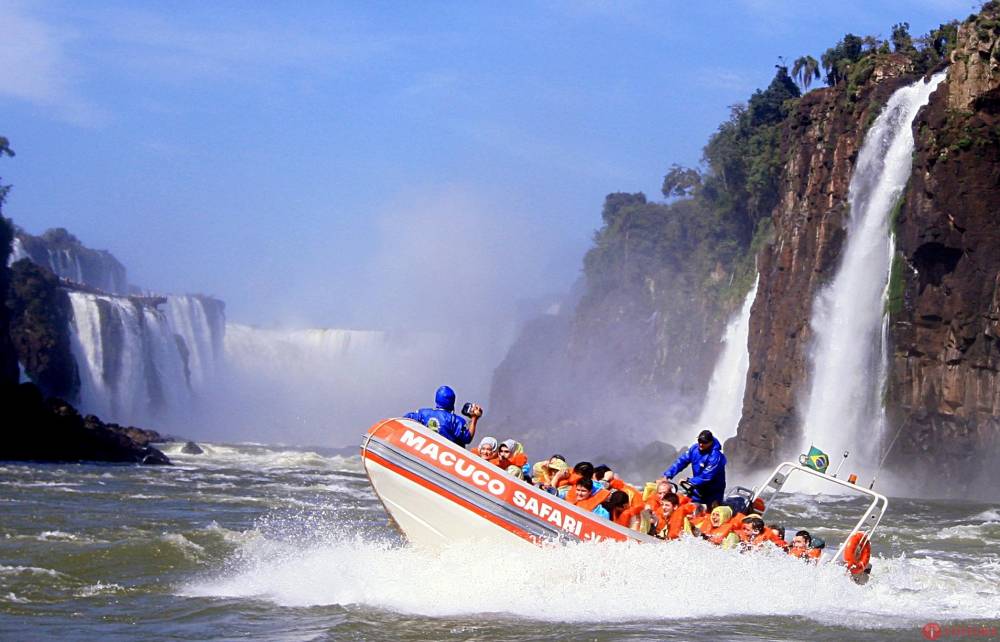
(443, 420)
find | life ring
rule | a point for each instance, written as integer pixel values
(855, 558)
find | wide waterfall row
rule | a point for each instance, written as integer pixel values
(139, 364)
(844, 411)
(724, 401)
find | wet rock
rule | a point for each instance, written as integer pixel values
(51, 430)
(944, 379)
(191, 448)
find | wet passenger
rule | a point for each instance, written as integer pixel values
(544, 473)
(617, 505)
(802, 547)
(717, 529)
(443, 420)
(583, 494)
(755, 534)
(488, 450)
(582, 470)
(515, 451)
(674, 514)
(707, 484)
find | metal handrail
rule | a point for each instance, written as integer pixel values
(783, 472)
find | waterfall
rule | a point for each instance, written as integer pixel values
(844, 410)
(201, 324)
(139, 364)
(723, 404)
(16, 252)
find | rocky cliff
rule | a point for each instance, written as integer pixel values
(944, 386)
(40, 329)
(8, 356)
(822, 139)
(66, 257)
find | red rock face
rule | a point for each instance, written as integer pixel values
(822, 141)
(944, 387)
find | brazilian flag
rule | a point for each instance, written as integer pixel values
(816, 459)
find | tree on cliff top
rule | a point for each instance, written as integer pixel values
(837, 60)
(805, 69)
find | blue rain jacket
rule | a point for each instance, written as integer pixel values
(447, 424)
(708, 472)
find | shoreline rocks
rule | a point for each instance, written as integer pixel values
(51, 430)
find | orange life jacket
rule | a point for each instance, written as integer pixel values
(767, 535)
(518, 459)
(590, 503)
(625, 519)
(634, 494)
(808, 553)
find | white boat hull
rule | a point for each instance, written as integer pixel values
(437, 492)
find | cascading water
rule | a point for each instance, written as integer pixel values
(16, 252)
(844, 410)
(139, 364)
(724, 401)
(201, 323)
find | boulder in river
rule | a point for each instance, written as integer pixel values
(191, 448)
(40, 429)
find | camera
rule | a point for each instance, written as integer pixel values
(467, 410)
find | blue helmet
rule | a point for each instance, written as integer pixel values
(445, 398)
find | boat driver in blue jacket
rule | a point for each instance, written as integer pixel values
(708, 465)
(443, 420)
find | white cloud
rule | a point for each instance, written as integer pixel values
(37, 68)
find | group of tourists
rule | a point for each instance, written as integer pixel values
(658, 508)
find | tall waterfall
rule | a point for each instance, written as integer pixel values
(723, 404)
(139, 364)
(844, 410)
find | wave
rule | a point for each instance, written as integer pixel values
(259, 457)
(30, 570)
(591, 582)
(190, 549)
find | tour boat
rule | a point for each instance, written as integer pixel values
(437, 492)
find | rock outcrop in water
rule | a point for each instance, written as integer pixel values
(51, 430)
(944, 383)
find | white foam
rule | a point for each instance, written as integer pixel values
(257, 457)
(31, 570)
(989, 515)
(190, 549)
(679, 580)
(99, 588)
(57, 536)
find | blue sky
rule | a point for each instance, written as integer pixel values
(335, 163)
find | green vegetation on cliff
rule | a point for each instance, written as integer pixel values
(701, 238)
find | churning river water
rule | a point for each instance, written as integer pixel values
(249, 541)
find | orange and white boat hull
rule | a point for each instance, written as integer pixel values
(438, 492)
